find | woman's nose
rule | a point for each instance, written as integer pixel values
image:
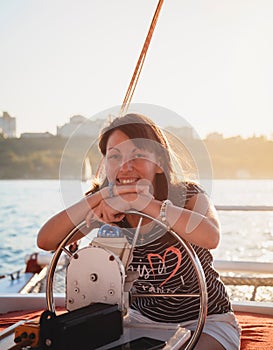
(126, 165)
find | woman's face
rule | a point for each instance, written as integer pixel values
(126, 164)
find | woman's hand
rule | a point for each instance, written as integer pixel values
(117, 200)
(105, 212)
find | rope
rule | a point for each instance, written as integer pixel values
(248, 281)
(140, 62)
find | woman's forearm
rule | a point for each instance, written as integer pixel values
(57, 227)
(198, 228)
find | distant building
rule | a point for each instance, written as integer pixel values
(183, 132)
(80, 126)
(33, 135)
(8, 125)
(215, 136)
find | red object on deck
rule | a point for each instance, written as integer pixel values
(257, 329)
(32, 264)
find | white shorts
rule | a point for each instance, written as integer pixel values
(223, 327)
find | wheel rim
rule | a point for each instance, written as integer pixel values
(189, 250)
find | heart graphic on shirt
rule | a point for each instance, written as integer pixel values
(163, 259)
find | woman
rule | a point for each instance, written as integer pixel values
(139, 175)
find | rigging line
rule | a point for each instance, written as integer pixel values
(132, 86)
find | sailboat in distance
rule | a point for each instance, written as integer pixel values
(86, 170)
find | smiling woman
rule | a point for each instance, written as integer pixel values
(126, 164)
(147, 147)
(137, 173)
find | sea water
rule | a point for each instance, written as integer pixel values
(26, 204)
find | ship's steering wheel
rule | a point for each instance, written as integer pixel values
(203, 299)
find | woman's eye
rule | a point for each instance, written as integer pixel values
(139, 155)
(113, 156)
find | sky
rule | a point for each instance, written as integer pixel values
(209, 61)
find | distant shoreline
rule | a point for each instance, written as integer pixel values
(44, 158)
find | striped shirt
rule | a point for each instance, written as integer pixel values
(165, 267)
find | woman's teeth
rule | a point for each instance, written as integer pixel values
(126, 181)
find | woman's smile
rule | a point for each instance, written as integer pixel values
(127, 181)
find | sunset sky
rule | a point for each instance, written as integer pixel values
(210, 61)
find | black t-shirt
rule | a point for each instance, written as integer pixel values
(165, 267)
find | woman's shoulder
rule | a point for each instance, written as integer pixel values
(181, 192)
(193, 187)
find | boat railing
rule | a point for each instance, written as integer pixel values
(245, 273)
(244, 207)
